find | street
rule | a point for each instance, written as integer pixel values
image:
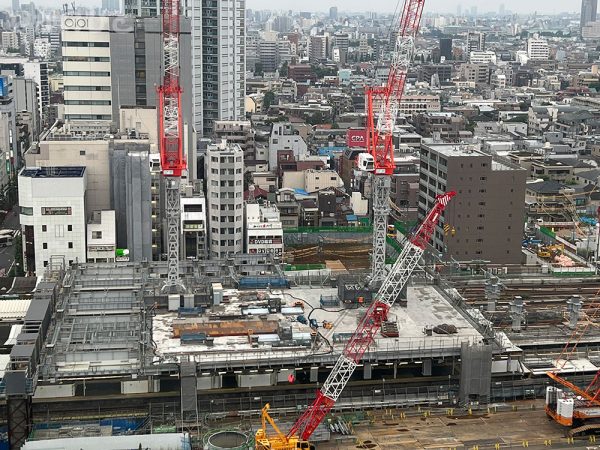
(7, 254)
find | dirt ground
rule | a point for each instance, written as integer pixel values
(523, 428)
(352, 256)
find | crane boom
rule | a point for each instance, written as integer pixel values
(364, 335)
(380, 129)
(172, 161)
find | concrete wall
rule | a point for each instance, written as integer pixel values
(93, 155)
(131, 200)
(54, 391)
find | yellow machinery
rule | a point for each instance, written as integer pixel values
(550, 251)
(280, 441)
(391, 231)
(543, 253)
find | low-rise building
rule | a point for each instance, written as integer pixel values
(53, 216)
(193, 224)
(550, 169)
(101, 237)
(264, 230)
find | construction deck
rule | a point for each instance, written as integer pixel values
(426, 307)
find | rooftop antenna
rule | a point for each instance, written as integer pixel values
(73, 6)
(66, 8)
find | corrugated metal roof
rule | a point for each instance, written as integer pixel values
(12, 336)
(4, 360)
(170, 441)
(13, 309)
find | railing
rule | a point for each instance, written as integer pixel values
(361, 229)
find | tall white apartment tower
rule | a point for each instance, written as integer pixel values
(223, 25)
(225, 199)
(217, 57)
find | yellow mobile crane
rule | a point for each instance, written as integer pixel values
(280, 441)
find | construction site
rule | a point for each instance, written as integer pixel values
(362, 340)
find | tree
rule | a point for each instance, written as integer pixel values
(17, 268)
(268, 100)
(316, 119)
(283, 70)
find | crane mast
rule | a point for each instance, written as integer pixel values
(172, 161)
(379, 159)
(365, 333)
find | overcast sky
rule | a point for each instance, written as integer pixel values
(546, 6)
(521, 6)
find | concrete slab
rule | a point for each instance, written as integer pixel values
(426, 307)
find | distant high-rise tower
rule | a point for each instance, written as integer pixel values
(589, 10)
(333, 13)
(446, 47)
(16, 5)
(475, 42)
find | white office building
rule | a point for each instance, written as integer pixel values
(264, 232)
(488, 57)
(538, 48)
(225, 198)
(52, 201)
(284, 137)
(101, 237)
(86, 67)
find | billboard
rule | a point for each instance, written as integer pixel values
(356, 137)
(3, 87)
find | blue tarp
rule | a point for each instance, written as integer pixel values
(329, 151)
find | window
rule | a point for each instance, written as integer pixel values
(45, 263)
(69, 227)
(45, 245)
(81, 152)
(26, 210)
(96, 234)
(44, 228)
(70, 245)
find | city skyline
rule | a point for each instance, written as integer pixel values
(441, 6)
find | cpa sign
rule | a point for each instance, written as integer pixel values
(356, 138)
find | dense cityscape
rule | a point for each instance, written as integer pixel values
(228, 227)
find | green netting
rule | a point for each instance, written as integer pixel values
(329, 229)
(548, 232)
(296, 267)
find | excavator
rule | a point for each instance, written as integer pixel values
(279, 441)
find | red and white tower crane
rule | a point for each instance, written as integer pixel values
(172, 160)
(370, 324)
(379, 158)
(379, 161)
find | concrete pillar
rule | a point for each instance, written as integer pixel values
(426, 369)
(574, 305)
(517, 313)
(314, 374)
(367, 371)
(493, 289)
